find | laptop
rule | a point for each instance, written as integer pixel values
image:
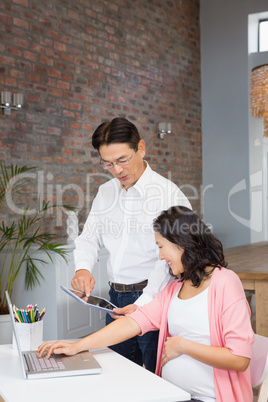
(57, 365)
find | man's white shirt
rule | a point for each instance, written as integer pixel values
(122, 222)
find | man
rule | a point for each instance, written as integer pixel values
(121, 220)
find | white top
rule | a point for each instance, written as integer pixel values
(189, 319)
(121, 221)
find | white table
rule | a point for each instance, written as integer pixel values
(121, 380)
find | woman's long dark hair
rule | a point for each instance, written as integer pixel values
(202, 249)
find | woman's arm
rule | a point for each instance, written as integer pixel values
(117, 331)
(219, 357)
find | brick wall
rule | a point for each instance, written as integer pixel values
(80, 63)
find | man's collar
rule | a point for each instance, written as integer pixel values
(141, 184)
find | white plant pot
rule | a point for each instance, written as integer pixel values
(5, 329)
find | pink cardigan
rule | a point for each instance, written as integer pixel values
(229, 320)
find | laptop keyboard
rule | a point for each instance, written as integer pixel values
(42, 364)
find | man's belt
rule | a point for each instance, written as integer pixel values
(121, 288)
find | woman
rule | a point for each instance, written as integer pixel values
(205, 334)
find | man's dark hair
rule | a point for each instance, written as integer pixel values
(201, 248)
(119, 130)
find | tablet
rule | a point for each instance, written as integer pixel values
(91, 301)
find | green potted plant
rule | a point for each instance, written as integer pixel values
(22, 235)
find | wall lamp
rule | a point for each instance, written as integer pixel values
(10, 102)
(164, 129)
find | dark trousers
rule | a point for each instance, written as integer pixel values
(140, 349)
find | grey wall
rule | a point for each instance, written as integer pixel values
(226, 118)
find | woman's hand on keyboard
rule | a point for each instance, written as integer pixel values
(58, 347)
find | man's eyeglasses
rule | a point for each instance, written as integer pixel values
(121, 162)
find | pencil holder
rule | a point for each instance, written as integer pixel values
(30, 335)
